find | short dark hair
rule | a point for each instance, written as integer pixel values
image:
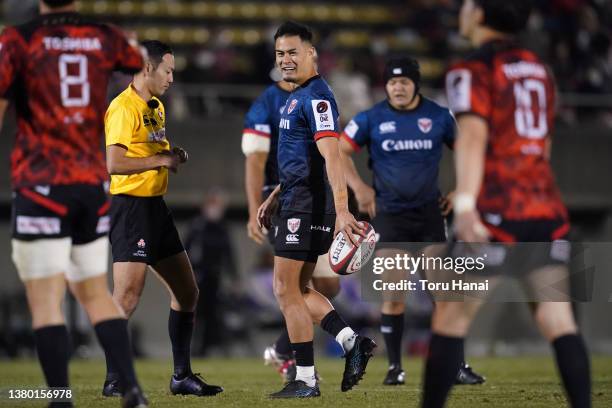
(292, 28)
(156, 50)
(508, 16)
(57, 3)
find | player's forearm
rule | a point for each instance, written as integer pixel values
(353, 179)
(254, 181)
(133, 165)
(470, 151)
(337, 181)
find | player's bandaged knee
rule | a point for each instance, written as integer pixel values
(41, 258)
(88, 260)
(252, 143)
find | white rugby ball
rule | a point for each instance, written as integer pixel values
(346, 258)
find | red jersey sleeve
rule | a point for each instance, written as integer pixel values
(468, 89)
(11, 48)
(128, 57)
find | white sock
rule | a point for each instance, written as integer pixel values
(306, 374)
(346, 338)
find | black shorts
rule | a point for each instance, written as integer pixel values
(78, 211)
(142, 230)
(549, 238)
(420, 224)
(536, 230)
(303, 236)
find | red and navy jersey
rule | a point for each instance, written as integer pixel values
(514, 92)
(309, 114)
(262, 119)
(56, 68)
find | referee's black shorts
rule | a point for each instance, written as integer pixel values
(142, 230)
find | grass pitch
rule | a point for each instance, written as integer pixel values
(511, 382)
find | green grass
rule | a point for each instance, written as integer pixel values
(511, 382)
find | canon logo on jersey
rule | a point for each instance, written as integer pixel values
(391, 145)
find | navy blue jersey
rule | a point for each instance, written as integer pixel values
(405, 150)
(310, 114)
(262, 120)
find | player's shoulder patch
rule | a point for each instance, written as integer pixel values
(458, 89)
(323, 115)
(351, 129)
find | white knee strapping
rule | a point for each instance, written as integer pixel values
(41, 258)
(88, 260)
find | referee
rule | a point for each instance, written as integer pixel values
(138, 157)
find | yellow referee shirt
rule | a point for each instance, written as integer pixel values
(130, 122)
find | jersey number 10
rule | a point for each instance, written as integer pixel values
(529, 118)
(70, 81)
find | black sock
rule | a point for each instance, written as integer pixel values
(111, 371)
(180, 327)
(283, 344)
(53, 348)
(333, 323)
(392, 328)
(573, 364)
(304, 354)
(443, 361)
(114, 339)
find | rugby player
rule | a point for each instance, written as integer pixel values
(405, 135)
(142, 230)
(313, 206)
(503, 97)
(259, 145)
(56, 69)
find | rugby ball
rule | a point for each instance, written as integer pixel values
(346, 258)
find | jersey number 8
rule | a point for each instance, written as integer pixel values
(69, 81)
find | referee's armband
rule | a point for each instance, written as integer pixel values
(255, 141)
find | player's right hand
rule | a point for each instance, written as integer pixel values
(254, 231)
(469, 228)
(348, 225)
(366, 200)
(266, 210)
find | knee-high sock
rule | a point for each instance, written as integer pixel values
(443, 361)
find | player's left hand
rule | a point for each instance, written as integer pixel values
(446, 203)
(469, 227)
(181, 153)
(348, 225)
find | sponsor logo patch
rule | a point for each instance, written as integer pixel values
(387, 127)
(38, 225)
(141, 243)
(103, 225)
(262, 127)
(322, 115)
(425, 124)
(351, 129)
(293, 224)
(292, 106)
(320, 228)
(458, 90)
(292, 239)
